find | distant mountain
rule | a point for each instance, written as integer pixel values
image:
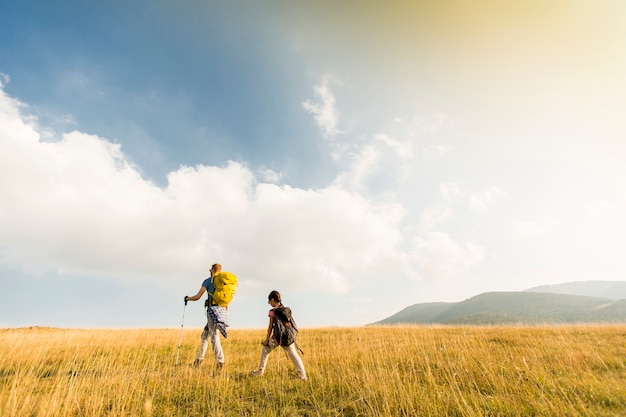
(614, 290)
(418, 313)
(533, 306)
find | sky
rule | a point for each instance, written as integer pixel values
(357, 156)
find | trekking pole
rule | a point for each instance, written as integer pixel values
(180, 337)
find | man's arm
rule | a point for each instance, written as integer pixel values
(196, 297)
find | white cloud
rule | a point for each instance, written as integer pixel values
(451, 191)
(377, 162)
(603, 208)
(432, 153)
(324, 110)
(362, 164)
(404, 149)
(79, 206)
(442, 257)
(481, 201)
(529, 229)
(431, 123)
(269, 175)
(432, 217)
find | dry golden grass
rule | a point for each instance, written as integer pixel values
(372, 371)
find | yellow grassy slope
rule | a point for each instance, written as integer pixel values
(373, 371)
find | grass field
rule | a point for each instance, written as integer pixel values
(371, 371)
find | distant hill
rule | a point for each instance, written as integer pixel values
(418, 313)
(533, 306)
(613, 290)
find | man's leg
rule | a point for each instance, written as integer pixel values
(204, 343)
(214, 336)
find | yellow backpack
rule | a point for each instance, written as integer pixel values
(225, 285)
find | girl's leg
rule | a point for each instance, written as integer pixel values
(265, 351)
(297, 361)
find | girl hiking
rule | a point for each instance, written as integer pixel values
(281, 331)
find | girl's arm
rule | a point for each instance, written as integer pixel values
(269, 331)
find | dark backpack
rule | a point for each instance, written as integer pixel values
(285, 329)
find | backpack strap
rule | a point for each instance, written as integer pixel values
(210, 301)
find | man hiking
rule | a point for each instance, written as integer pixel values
(217, 319)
